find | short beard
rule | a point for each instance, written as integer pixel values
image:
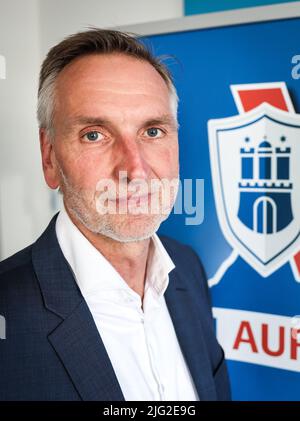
(82, 207)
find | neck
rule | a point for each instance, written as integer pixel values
(129, 259)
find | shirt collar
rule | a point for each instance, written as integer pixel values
(159, 266)
(93, 272)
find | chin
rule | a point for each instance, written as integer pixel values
(136, 228)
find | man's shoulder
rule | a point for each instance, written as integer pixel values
(175, 247)
(24, 257)
(16, 261)
(191, 273)
(17, 284)
(173, 244)
(182, 255)
(186, 260)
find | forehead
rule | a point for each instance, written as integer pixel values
(110, 75)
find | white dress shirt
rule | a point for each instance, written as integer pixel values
(139, 337)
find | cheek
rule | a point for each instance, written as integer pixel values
(85, 169)
(164, 161)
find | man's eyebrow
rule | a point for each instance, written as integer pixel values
(98, 121)
(94, 121)
(164, 120)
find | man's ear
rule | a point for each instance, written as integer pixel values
(48, 160)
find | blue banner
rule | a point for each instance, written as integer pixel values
(239, 91)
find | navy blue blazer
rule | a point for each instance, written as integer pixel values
(53, 350)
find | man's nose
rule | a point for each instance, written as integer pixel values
(133, 160)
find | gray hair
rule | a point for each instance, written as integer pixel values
(93, 41)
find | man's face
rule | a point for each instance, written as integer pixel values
(113, 114)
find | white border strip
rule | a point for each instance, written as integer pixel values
(217, 19)
(224, 266)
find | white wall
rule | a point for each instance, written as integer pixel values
(28, 28)
(59, 18)
(24, 199)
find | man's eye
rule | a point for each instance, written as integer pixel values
(154, 132)
(93, 136)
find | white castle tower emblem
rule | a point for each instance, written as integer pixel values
(265, 187)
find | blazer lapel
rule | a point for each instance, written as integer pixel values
(82, 352)
(187, 323)
(76, 339)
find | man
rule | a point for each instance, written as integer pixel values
(100, 308)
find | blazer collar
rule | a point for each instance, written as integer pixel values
(76, 339)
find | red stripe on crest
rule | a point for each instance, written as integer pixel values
(253, 98)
